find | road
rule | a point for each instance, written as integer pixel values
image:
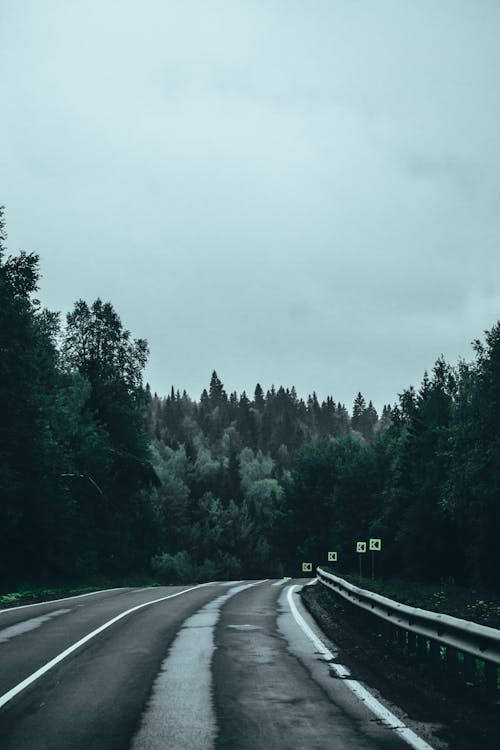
(221, 666)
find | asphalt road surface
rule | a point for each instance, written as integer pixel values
(220, 666)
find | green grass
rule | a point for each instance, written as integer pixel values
(32, 594)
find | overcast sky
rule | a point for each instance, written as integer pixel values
(292, 192)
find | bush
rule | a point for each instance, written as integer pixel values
(227, 566)
(173, 569)
(179, 568)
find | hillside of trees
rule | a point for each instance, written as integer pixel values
(100, 478)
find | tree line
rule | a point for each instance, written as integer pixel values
(101, 478)
(267, 483)
(227, 465)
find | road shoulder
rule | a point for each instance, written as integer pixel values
(444, 719)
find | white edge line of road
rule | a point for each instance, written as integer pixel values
(62, 599)
(6, 697)
(388, 718)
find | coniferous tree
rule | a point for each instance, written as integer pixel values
(258, 398)
(370, 419)
(357, 413)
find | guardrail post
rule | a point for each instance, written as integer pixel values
(389, 631)
(435, 652)
(422, 646)
(452, 661)
(400, 636)
(469, 669)
(384, 629)
(412, 642)
(491, 675)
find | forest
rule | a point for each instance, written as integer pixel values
(101, 479)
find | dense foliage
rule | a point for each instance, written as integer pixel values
(74, 456)
(100, 477)
(273, 481)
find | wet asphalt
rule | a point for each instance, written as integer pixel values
(221, 667)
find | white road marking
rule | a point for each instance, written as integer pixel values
(6, 697)
(63, 599)
(357, 688)
(279, 583)
(244, 627)
(26, 625)
(180, 711)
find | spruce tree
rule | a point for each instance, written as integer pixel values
(357, 413)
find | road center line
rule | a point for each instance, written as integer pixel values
(383, 713)
(180, 710)
(6, 697)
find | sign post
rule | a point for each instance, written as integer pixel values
(361, 549)
(375, 546)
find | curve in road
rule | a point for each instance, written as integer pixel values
(219, 666)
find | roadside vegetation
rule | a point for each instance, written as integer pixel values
(26, 595)
(469, 603)
(31, 596)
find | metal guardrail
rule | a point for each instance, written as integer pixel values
(457, 635)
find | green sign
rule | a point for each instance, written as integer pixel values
(360, 546)
(375, 545)
(307, 567)
(332, 557)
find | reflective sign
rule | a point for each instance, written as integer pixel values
(360, 546)
(376, 545)
(332, 557)
(307, 567)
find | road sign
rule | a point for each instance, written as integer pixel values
(307, 567)
(360, 546)
(332, 557)
(375, 545)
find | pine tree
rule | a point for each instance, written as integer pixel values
(370, 420)
(258, 398)
(357, 413)
(216, 392)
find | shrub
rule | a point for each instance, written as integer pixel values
(173, 569)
